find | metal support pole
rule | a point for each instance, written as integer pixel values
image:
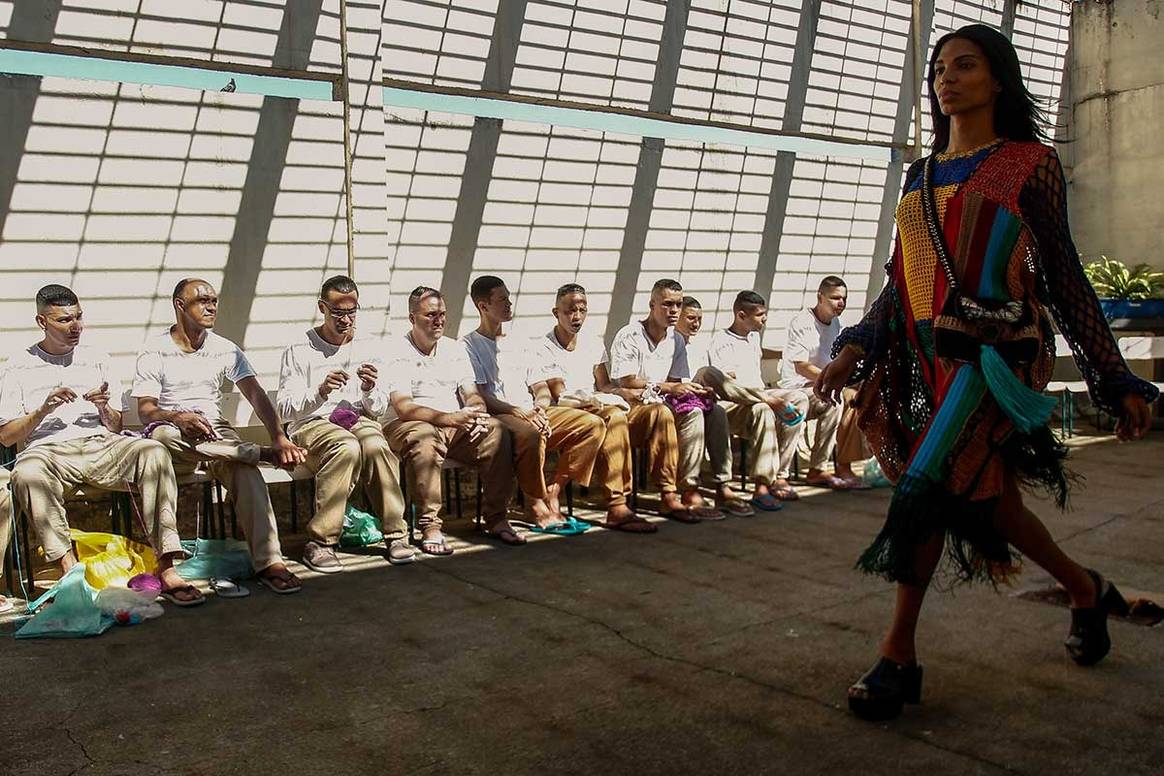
(346, 95)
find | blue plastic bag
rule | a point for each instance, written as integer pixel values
(874, 477)
(73, 614)
(215, 559)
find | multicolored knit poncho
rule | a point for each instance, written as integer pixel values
(934, 425)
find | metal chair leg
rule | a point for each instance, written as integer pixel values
(294, 508)
(457, 491)
(480, 491)
(221, 510)
(743, 463)
(570, 498)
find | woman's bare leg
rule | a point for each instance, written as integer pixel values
(1027, 534)
(899, 643)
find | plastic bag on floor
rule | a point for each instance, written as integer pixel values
(360, 529)
(128, 607)
(74, 612)
(873, 476)
(111, 559)
(215, 559)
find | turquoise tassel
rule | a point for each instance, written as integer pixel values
(1028, 409)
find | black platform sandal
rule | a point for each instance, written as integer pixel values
(1089, 642)
(881, 693)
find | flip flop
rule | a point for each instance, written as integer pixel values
(559, 528)
(514, 539)
(170, 594)
(634, 524)
(683, 515)
(444, 549)
(267, 581)
(708, 514)
(828, 481)
(737, 507)
(784, 492)
(581, 525)
(228, 588)
(854, 483)
(767, 503)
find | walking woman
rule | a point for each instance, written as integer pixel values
(955, 352)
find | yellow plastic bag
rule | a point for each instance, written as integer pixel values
(111, 560)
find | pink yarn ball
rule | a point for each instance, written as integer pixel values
(145, 583)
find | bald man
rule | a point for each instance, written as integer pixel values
(178, 387)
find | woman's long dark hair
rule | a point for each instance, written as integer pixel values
(1017, 116)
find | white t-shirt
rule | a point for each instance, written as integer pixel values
(189, 382)
(30, 375)
(698, 355)
(575, 367)
(304, 367)
(506, 367)
(632, 354)
(808, 340)
(732, 354)
(432, 381)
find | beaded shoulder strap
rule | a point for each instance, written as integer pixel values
(930, 212)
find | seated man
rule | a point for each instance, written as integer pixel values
(811, 334)
(330, 389)
(768, 419)
(717, 434)
(508, 375)
(5, 526)
(439, 415)
(648, 359)
(55, 401)
(178, 392)
(577, 376)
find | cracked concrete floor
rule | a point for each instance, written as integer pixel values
(720, 648)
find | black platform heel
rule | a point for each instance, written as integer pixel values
(885, 688)
(1089, 642)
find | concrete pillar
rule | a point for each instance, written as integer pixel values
(1117, 108)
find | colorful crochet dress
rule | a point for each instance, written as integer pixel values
(936, 428)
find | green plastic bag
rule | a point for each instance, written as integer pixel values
(874, 477)
(360, 529)
(74, 612)
(215, 559)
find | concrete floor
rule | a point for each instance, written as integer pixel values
(717, 649)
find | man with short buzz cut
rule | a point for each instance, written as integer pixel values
(808, 350)
(512, 382)
(331, 390)
(56, 402)
(717, 431)
(648, 360)
(768, 420)
(178, 392)
(438, 414)
(578, 376)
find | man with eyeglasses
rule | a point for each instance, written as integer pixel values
(331, 392)
(178, 390)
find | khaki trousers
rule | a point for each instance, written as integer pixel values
(827, 416)
(345, 461)
(699, 431)
(46, 474)
(6, 515)
(424, 447)
(653, 427)
(751, 418)
(234, 463)
(576, 435)
(612, 469)
(851, 445)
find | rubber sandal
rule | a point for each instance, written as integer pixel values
(634, 524)
(828, 481)
(170, 595)
(854, 483)
(737, 507)
(228, 588)
(784, 492)
(445, 549)
(767, 503)
(709, 514)
(581, 525)
(267, 581)
(559, 528)
(681, 516)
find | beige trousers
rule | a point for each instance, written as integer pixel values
(771, 443)
(6, 515)
(851, 445)
(424, 447)
(827, 416)
(351, 460)
(575, 434)
(652, 426)
(612, 469)
(234, 463)
(46, 474)
(699, 431)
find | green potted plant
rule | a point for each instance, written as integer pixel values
(1126, 292)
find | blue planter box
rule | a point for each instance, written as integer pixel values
(1125, 308)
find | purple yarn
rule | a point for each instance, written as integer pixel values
(688, 402)
(344, 417)
(145, 583)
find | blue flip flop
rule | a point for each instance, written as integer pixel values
(767, 503)
(581, 525)
(560, 528)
